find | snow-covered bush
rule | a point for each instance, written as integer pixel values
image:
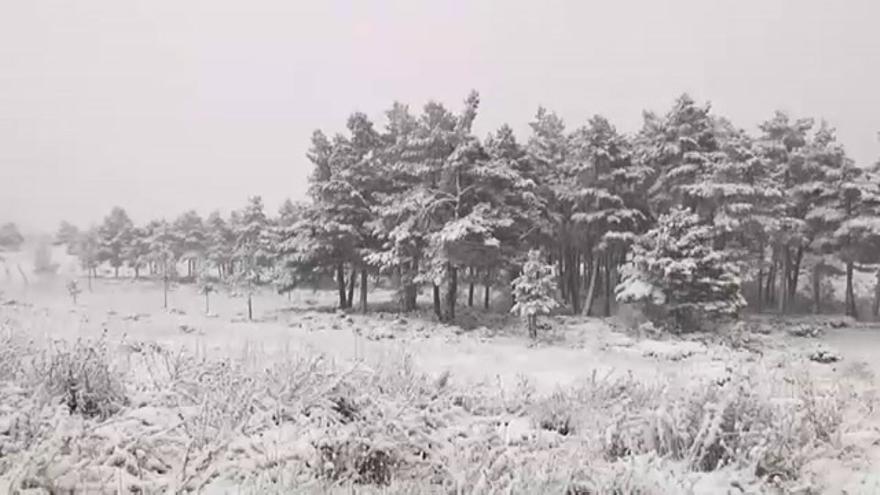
(679, 277)
(533, 291)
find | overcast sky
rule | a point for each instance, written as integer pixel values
(161, 106)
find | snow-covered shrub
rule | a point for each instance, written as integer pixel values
(533, 291)
(86, 380)
(677, 275)
(554, 414)
(824, 355)
(805, 330)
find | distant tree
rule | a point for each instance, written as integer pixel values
(163, 241)
(137, 251)
(220, 244)
(206, 283)
(73, 290)
(533, 291)
(682, 281)
(10, 238)
(87, 250)
(114, 235)
(192, 236)
(67, 236)
(251, 252)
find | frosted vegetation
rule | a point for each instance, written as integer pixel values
(160, 360)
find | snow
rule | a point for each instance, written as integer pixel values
(495, 356)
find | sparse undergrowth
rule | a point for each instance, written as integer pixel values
(97, 417)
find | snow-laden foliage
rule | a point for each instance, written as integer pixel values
(424, 205)
(533, 290)
(674, 267)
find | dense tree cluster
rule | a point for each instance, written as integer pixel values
(690, 210)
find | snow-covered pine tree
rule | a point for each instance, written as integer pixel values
(677, 275)
(193, 239)
(163, 240)
(220, 243)
(137, 252)
(859, 232)
(832, 197)
(250, 250)
(113, 236)
(87, 252)
(782, 146)
(533, 290)
(609, 206)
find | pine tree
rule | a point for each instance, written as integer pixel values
(192, 240)
(607, 191)
(675, 272)
(782, 147)
(220, 241)
(250, 251)
(163, 241)
(67, 235)
(88, 245)
(137, 251)
(533, 290)
(114, 235)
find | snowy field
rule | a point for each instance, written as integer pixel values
(118, 395)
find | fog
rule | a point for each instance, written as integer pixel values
(162, 106)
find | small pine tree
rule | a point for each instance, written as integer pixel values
(73, 289)
(682, 280)
(205, 283)
(533, 291)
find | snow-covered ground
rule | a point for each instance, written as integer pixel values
(493, 356)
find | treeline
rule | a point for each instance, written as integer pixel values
(424, 201)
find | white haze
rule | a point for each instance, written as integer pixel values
(162, 106)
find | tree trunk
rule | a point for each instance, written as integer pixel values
(207, 302)
(591, 292)
(486, 289)
(607, 308)
(760, 299)
(364, 291)
(794, 276)
(115, 272)
(250, 306)
(574, 278)
(783, 279)
(770, 286)
(410, 295)
(351, 281)
(438, 310)
(165, 291)
(89, 275)
(817, 289)
(533, 326)
(340, 285)
(850, 295)
(451, 293)
(563, 286)
(471, 288)
(137, 272)
(875, 307)
(220, 271)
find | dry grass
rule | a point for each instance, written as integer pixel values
(127, 417)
